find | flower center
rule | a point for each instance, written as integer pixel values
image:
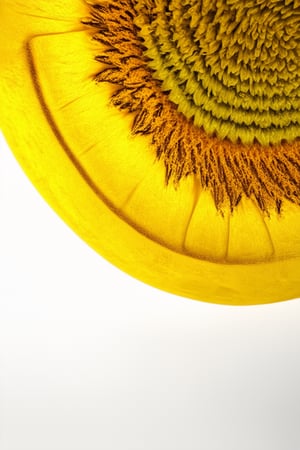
(215, 84)
(231, 66)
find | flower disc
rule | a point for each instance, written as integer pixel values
(166, 134)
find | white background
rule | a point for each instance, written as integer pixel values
(93, 359)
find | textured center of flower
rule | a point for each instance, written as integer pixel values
(231, 66)
(216, 87)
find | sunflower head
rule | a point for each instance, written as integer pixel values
(172, 135)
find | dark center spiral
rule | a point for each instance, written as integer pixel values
(232, 66)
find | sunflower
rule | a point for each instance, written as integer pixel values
(166, 134)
